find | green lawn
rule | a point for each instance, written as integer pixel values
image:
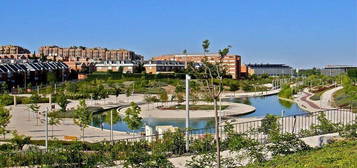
(342, 100)
(340, 154)
(192, 107)
(317, 96)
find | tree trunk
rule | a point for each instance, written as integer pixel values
(52, 131)
(218, 159)
(83, 134)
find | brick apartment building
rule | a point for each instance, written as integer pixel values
(82, 53)
(231, 62)
(78, 58)
(14, 52)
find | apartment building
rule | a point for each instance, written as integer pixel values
(232, 63)
(21, 74)
(270, 69)
(84, 59)
(126, 66)
(162, 66)
(14, 52)
(335, 70)
(75, 53)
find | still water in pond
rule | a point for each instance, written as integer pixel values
(264, 105)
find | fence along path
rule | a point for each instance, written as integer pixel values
(294, 124)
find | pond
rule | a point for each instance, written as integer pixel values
(264, 105)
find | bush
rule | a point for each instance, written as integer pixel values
(6, 99)
(349, 131)
(270, 125)
(19, 140)
(286, 92)
(209, 160)
(325, 126)
(6, 147)
(174, 141)
(203, 145)
(283, 144)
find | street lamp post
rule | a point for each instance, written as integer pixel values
(187, 111)
(111, 126)
(46, 128)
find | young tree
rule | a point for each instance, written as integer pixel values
(35, 108)
(212, 79)
(117, 93)
(53, 120)
(233, 87)
(180, 98)
(62, 101)
(164, 97)
(4, 87)
(82, 116)
(4, 119)
(51, 77)
(128, 92)
(148, 100)
(132, 116)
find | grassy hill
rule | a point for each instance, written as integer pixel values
(341, 154)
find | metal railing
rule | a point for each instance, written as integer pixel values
(301, 125)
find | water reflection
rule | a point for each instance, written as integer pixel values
(194, 123)
(264, 105)
(244, 100)
(286, 104)
(268, 105)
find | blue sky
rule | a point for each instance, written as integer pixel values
(301, 33)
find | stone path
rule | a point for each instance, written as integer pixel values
(251, 94)
(151, 111)
(327, 98)
(311, 104)
(304, 102)
(25, 122)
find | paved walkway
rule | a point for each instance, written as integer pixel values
(327, 98)
(251, 94)
(25, 123)
(303, 100)
(150, 111)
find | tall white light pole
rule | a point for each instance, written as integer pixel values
(46, 128)
(187, 111)
(111, 126)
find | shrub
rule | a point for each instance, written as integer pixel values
(349, 131)
(270, 125)
(283, 144)
(174, 141)
(325, 125)
(203, 145)
(209, 160)
(6, 99)
(286, 92)
(135, 155)
(19, 140)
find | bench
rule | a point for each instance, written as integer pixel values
(70, 138)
